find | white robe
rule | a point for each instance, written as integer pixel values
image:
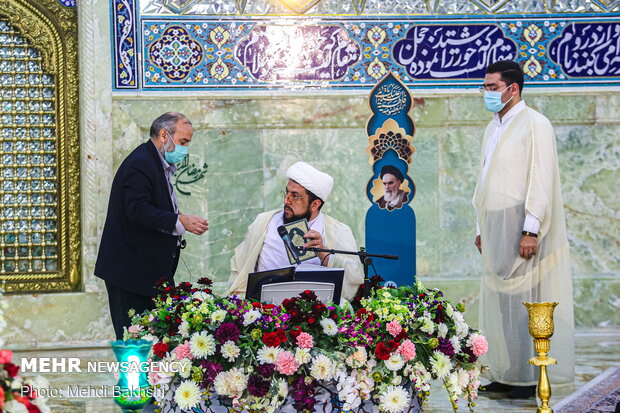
(523, 178)
(337, 236)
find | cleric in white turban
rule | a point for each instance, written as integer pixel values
(306, 192)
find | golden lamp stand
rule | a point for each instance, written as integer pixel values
(541, 328)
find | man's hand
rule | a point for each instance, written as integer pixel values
(194, 224)
(528, 247)
(478, 244)
(315, 240)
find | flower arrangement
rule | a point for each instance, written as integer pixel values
(252, 356)
(17, 395)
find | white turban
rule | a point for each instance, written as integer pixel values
(315, 181)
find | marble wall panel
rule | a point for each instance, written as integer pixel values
(457, 165)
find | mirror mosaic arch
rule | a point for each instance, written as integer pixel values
(39, 155)
(260, 45)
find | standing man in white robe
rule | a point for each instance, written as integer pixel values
(521, 236)
(306, 192)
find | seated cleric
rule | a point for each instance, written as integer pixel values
(263, 249)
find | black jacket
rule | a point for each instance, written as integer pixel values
(137, 246)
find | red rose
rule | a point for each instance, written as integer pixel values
(271, 339)
(256, 305)
(268, 306)
(382, 352)
(12, 369)
(295, 332)
(281, 336)
(160, 349)
(311, 320)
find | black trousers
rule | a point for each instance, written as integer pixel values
(121, 301)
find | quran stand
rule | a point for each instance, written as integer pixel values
(364, 256)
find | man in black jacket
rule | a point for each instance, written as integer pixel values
(141, 239)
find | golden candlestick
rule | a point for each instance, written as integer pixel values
(541, 328)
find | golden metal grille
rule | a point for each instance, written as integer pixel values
(39, 147)
(28, 158)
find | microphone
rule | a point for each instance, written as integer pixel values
(283, 233)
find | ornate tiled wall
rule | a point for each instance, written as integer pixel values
(245, 140)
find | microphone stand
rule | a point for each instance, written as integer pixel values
(364, 256)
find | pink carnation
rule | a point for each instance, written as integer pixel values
(135, 329)
(304, 340)
(6, 356)
(286, 364)
(394, 328)
(479, 345)
(407, 350)
(184, 352)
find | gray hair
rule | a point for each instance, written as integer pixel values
(168, 121)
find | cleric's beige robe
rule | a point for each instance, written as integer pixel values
(523, 177)
(337, 236)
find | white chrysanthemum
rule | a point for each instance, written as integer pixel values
(250, 317)
(329, 326)
(184, 329)
(456, 344)
(187, 395)
(440, 364)
(302, 355)
(282, 388)
(395, 362)
(202, 345)
(230, 383)
(461, 326)
(427, 325)
(442, 330)
(185, 369)
(322, 368)
(394, 399)
(230, 351)
(218, 316)
(268, 354)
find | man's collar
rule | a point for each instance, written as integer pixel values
(167, 166)
(511, 113)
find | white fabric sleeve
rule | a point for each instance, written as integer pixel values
(179, 229)
(531, 224)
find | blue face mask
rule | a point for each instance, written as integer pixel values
(177, 154)
(493, 100)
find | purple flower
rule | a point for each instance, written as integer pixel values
(227, 332)
(212, 369)
(257, 386)
(266, 370)
(445, 346)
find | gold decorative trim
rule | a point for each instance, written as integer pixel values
(52, 30)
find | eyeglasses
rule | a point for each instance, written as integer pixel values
(483, 88)
(294, 196)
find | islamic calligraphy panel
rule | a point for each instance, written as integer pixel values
(452, 51)
(293, 52)
(353, 53)
(588, 49)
